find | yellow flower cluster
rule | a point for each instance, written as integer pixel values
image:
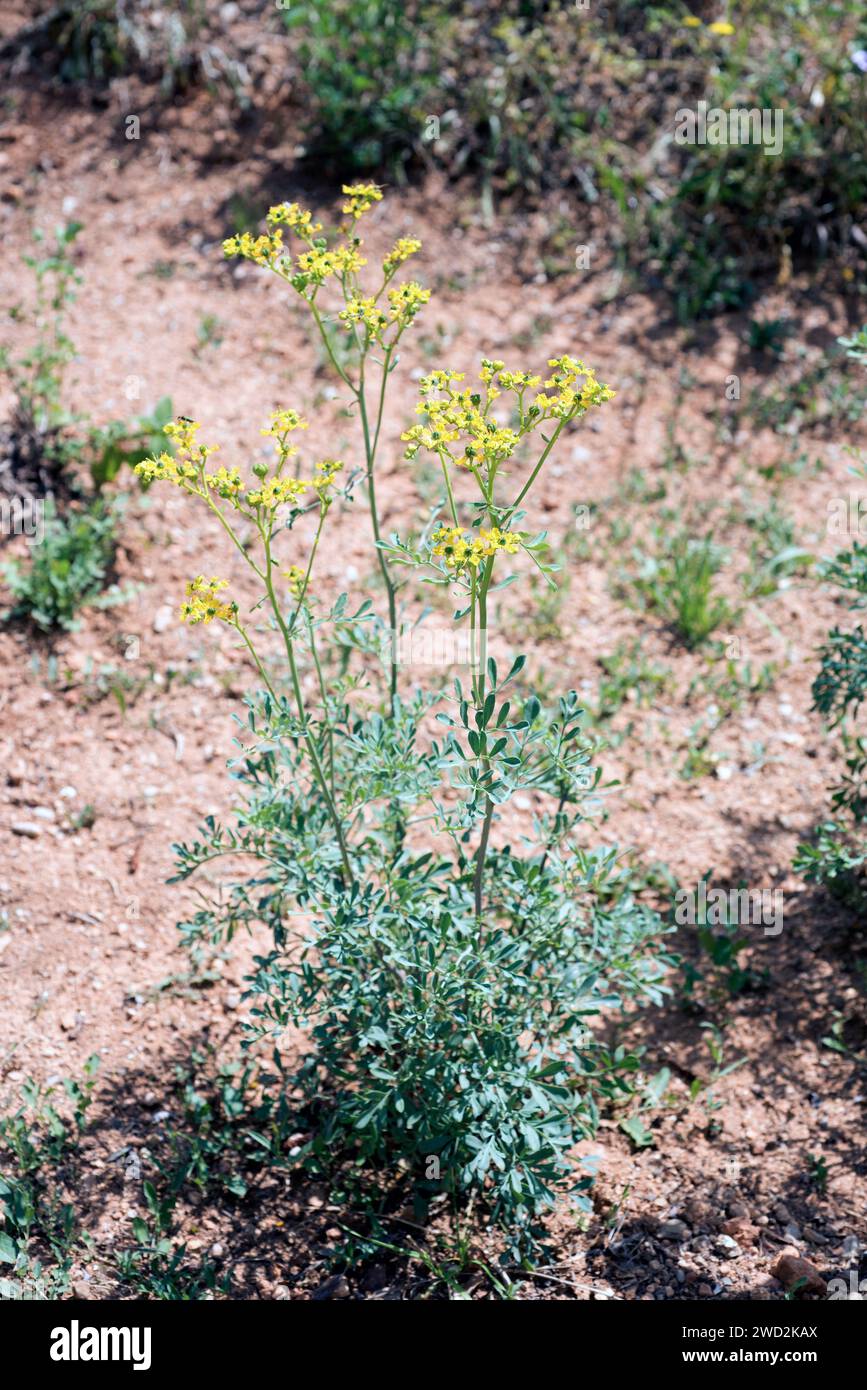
(361, 197)
(405, 247)
(297, 218)
(324, 475)
(283, 422)
(187, 469)
(406, 300)
(264, 250)
(296, 576)
(318, 263)
(226, 482)
(570, 403)
(277, 491)
(719, 26)
(364, 311)
(203, 602)
(459, 548)
(439, 380)
(459, 414)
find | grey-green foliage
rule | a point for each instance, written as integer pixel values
(67, 568)
(452, 1054)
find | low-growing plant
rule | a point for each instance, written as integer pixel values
(38, 1151)
(528, 100)
(68, 568)
(177, 44)
(676, 580)
(447, 969)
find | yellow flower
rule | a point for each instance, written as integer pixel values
(720, 26)
(283, 422)
(296, 576)
(316, 266)
(364, 311)
(438, 381)
(692, 22)
(277, 491)
(405, 247)
(489, 370)
(183, 433)
(203, 603)
(348, 260)
(324, 476)
(295, 217)
(226, 482)
(518, 381)
(361, 197)
(406, 300)
(264, 250)
(184, 470)
(459, 549)
(495, 540)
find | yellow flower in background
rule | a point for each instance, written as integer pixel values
(692, 22)
(361, 197)
(720, 26)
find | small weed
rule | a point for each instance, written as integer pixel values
(68, 569)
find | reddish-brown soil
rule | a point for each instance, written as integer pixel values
(91, 962)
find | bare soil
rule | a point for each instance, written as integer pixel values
(91, 962)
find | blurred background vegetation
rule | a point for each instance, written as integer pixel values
(531, 99)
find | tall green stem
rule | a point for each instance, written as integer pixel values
(370, 454)
(479, 686)
(302, 715)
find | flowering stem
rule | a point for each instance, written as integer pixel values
(481, 853)
(302, 713)
(370, 454)
(259, 667)
(532, 478)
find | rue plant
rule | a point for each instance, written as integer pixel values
(450, 958)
